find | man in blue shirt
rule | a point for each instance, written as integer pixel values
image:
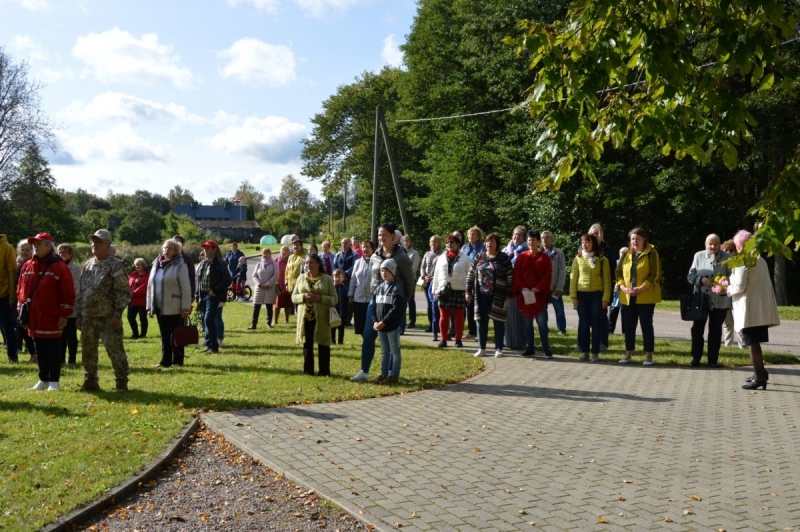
(232, 258)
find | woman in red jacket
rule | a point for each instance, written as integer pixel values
(46, 281)
(532, 273)
(137, 281)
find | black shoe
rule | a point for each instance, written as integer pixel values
(13, 361)
(751, 378)
(694, 363)
(755, 385)
(441, 344)
(253, 328)
(428, 330)
(435, 337)
(459, 344)
(548, 353)
(412, 326)
(713, 365)
(529, 353)
(134, 337)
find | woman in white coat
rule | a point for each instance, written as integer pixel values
(169, 298)
(754, 310)
(265, 279)
(450, 287)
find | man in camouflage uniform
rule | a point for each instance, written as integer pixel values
(103, 296)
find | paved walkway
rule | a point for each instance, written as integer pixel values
(560, 444)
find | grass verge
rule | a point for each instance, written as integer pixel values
(61, 450)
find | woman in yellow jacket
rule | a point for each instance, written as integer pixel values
(639, 283)
(590, 290)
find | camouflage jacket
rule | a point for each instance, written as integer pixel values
(104, 290)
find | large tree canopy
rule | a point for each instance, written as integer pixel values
(672, 72)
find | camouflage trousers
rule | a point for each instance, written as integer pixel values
(92, 330)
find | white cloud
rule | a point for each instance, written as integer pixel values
(117, 106)
(271, 139)
(255, 60)
(33, 5)
(268, 6)
(117, 56)
(391, 53)
(25, 47)
(120, 143)
(318, 8)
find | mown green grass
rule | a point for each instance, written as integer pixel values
(61, 450)
(786, 313)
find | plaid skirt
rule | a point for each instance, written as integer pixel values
(457, 299)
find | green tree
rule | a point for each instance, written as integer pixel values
(183, 225)
(220, 202)
(675, 73)
(180, 196)
(156, 202)
(22, 121)
(35, 202)
(250, 196)
(141, 225)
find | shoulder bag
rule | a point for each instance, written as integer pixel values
(23, 317)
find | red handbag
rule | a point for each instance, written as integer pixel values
(186, 334)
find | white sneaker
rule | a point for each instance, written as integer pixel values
(480, 353)
(41, 385)
(498, 353)
(361, 376)
(53, 387)
(219, 342)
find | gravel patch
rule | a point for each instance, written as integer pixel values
(212, 485)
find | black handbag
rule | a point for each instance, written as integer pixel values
(694, 306)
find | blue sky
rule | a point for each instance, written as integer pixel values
(203, 94)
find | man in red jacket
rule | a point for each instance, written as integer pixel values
(46, 282)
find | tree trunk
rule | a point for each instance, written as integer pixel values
(779, 278)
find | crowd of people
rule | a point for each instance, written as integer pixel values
(46, 297)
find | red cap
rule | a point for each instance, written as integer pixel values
(209, 244)
(40, 236)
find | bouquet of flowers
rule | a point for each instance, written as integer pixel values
(719, 284)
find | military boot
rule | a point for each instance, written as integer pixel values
(90, 386)
(122, 386)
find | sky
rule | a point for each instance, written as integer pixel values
(203, 94)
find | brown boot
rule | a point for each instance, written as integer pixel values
(89, 386)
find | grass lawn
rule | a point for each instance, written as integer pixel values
(786, 313)
(60, 450)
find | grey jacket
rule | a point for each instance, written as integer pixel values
(169, 289)
(705, 266)
(559, 263)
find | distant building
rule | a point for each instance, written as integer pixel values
(227, 222)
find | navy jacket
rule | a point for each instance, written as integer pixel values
(389, 305)
(345, 262)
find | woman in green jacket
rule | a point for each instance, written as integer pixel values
(590, 290)
(639, 283)
(314, 295)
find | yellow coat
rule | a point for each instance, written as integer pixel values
(294, 266)
(322, 308)
(648, 273)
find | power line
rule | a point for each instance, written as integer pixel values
(454, 116)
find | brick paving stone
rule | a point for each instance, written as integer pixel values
(567, 433)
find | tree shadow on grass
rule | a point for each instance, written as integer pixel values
(50, 410)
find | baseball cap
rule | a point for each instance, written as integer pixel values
(101, 234)
(40, 236)
(209, 244)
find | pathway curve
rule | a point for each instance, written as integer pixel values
(560, 444)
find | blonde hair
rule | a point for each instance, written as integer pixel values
(137, 262)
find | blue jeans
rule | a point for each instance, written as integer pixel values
(558, 308)
(529, 336)
(435, 309)
(220, 324)
(391, 359)
(544, 329)
(370, 335)
(590, 314)
(210, 304)
(9, 323)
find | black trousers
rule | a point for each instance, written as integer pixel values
(141, 313)
(169, 355)
(48, 352)
(715, 320)
(257, 311)
(69, 340)
(308, 352)
(340, 330)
